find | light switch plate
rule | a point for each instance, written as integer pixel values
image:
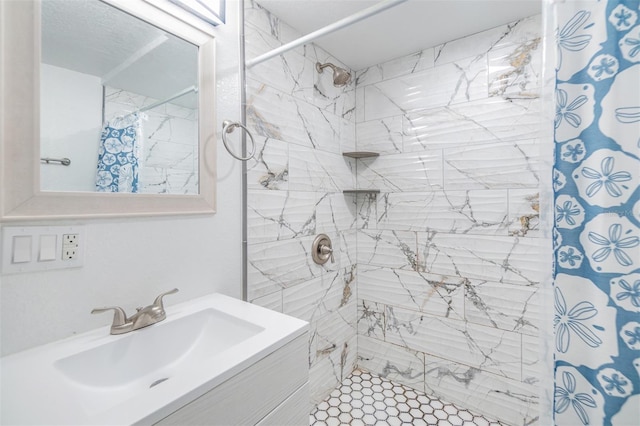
(48, 248)
(45, 250)
(21, 249)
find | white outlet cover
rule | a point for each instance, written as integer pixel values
(39, 234)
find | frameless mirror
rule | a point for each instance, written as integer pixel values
(118, 103)
(125, 91)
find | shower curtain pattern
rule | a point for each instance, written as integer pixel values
(119, 155)
(596, 181)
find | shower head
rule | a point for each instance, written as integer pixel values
(341, 76)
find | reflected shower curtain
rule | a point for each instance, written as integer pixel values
(597, 213)
(119, 155)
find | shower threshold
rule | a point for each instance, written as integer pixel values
(366, 399)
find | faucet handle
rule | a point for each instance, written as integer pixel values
(158, 301)
(119, 316)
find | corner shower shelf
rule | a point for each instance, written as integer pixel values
(358, 155)
(361, 191)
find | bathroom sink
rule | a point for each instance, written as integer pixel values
(153, 354)
(144, 375)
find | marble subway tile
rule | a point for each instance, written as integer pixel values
(348, 137)
(524, 29)
(392, 249)
(524, 212)
(532, 368)
(348, 106)
(271, 301)
(261, 18)
(366, 205)
(402, 172)
(163, 128)
(335, 212)
(493, 166)
(383, 136)
(318, 297)
(309, 299)
(456, 212)
(404, 65)
(273, 266)
(486, 41)
(120, 102)
(257, 41)
(280, 215)
(348, 242)
(370, 319)
(359, 115)
(316, 170)
(289, 72)
(266, 21)
(329, 333)
(177, 111)
(472, 123)
(340, 101)
(169, 155)
(327, 373)
(269, 169)
(511, 260)
(159, 180)
(294, 120)
(515, 70)
(510, 401)
(323, 378)
(505, 306)
(391, 362)
(443, 85)
(434, 294)
(489, 349)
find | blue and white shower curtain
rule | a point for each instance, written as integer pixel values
(597, 213)
(119, 155)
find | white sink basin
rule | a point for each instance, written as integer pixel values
(155, 353)
(141, 376)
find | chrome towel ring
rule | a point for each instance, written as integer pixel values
(228, 127)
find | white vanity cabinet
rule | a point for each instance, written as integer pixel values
(271, 391)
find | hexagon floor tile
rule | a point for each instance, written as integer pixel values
(366, 399)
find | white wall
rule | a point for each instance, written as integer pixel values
(129, 261)
(70, 123)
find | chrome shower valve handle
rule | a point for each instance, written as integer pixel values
(322, 250)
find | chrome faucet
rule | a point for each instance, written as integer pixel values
(143, 317)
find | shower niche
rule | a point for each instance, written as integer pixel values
(357, 155)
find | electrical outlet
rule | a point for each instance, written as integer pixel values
(52, 247)
(70, 246)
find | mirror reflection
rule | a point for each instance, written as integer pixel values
(119, 100)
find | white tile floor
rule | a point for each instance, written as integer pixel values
(366, 399)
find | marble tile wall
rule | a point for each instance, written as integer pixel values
(446, 257)
(302, 124)
(448, 254)
(170, 132)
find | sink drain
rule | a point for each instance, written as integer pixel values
(157, 382)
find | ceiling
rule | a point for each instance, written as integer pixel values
(404, 29)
